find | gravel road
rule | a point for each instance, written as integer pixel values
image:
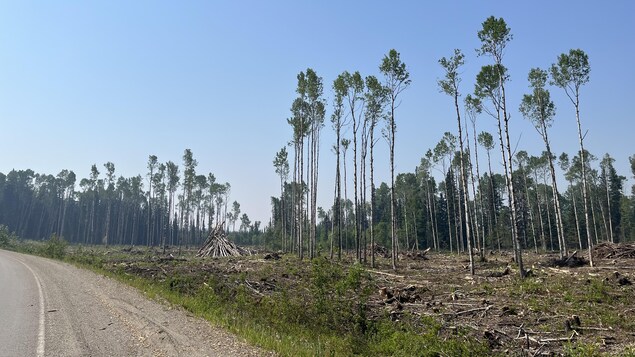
(50, 308)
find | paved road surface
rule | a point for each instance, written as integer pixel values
(49, 308)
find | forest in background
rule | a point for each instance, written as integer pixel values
(172, 205)
(470, 208)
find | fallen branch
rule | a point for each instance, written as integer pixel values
(253, 289)
(590, 328)
(485, 309)
(562, 271)
(571, 256)
(560, 339)
(388, 274)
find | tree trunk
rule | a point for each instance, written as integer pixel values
(531, 214)
(549, 219)
(584, 179)
(577, 220)
(431, 214)
(540, 219)
(562, 243)
(509, 168)
(466, 193)
(339, 199)
(481, 244)
(493, 204)
(447, 210)
(608, 202)
(392, 186)
(372, 199)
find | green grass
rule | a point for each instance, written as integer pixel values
(320, 311)
(320, 307)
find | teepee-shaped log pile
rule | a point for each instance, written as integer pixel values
(217, 245)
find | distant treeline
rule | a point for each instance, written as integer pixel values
(162, 208)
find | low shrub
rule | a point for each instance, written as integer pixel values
(55, 247)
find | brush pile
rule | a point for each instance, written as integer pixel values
(217, 245)
(613, 251)
(572, 261)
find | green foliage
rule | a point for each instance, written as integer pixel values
(55, 247)
(396, 75)
(538, 106)
(392, 341)
(488, 83)
(571, 71)
(449, 85)
(598, 292)
(340, 297)
(529, 286)
(494, 36)
(581, 350)
(182, 284)
(5, 237)
(486, 140)
(87, 257)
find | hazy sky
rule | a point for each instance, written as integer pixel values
(84, 82)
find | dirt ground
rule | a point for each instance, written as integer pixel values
(555, 310)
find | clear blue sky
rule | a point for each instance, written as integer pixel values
(85, 82)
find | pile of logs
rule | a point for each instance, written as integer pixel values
(572, 261)
(407, 294)
(217, 245)
(380, 251)
(612, 251)
(418, 255)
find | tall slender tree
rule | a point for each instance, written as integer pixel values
(396, 80)
(494, 37)
(443, 153)
(569, 174)
(375, 105)
(338, 119)
(298, 124)
(172, 185)
(612, 182)
(570, 73)
(189, 177)
(522, 159)
(487, 142)
(450, 86)
(344, 147)
(354, 97)
(316, 111)
(160, 185)
(110, 188)
(152, 165)
(281, 164)
(235, 214)
(540, 110)
(474, 107)
(94, 184)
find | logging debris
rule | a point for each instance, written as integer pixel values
(217, 245)
(608, 250)
(572, 261)
(272, 256)
(421, 255)
(499, 274)
(380, 251)
(408, 294)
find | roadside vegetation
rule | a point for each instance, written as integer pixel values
(430, 307)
